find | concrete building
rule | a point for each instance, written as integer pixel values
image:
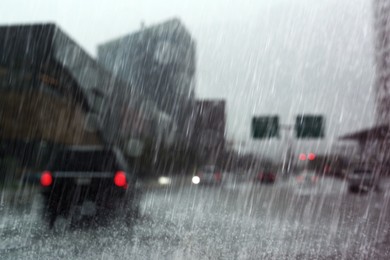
(46, 89)
(374, 143)
(159, 62)
(53, 93)
(382, 58)
(210, 128)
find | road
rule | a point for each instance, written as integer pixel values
(239, 220)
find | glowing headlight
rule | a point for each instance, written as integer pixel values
(195, 180)
(164, 180)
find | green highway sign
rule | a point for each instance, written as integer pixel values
(264, 127)
(310, 126)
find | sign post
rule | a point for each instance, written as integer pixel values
(306, 127)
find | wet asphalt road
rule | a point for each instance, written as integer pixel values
(239, 220)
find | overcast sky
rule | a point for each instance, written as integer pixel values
(283, 57)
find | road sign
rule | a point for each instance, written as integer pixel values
(310, 126)
(264, 127)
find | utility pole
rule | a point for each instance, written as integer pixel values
(288, 153)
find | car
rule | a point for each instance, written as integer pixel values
(266, 176)
(362, 179)
(209, 174)
(88, 183)
(307, 177)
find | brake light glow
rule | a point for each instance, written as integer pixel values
(218, 176)
(120, 179)
(46, 179)
(311, 156)
(302, 157)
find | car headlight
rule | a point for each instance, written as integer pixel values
(164, 180)
(195, 180)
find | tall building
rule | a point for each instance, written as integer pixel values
(159, 62)
(209, 128)
(53, 93)
(47, 86)
(374, 143)
(382, 51)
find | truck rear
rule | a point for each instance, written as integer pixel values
(88, 182)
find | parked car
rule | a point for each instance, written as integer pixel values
(307, 177)
(209, 174)
(362, 179)
(266, 176)
(82, 182)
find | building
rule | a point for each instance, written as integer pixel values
(159, 62)
(374, 143)
(52, 93)
(46, 89)
(209, 128)
(382, 58)
(49, 91)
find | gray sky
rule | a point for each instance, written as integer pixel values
(283, 57)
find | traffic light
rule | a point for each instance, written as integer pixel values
(310, 126)
(265, 127)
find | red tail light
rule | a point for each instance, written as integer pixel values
(300, 178)
(120, 179)
(218, 176)
(46, 179)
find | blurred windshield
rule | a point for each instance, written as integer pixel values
(253, 129)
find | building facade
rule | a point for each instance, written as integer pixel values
(46, 95)
(209, 128)
(159, 62)
(52, 93)
(374, 143)
(382, 57)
